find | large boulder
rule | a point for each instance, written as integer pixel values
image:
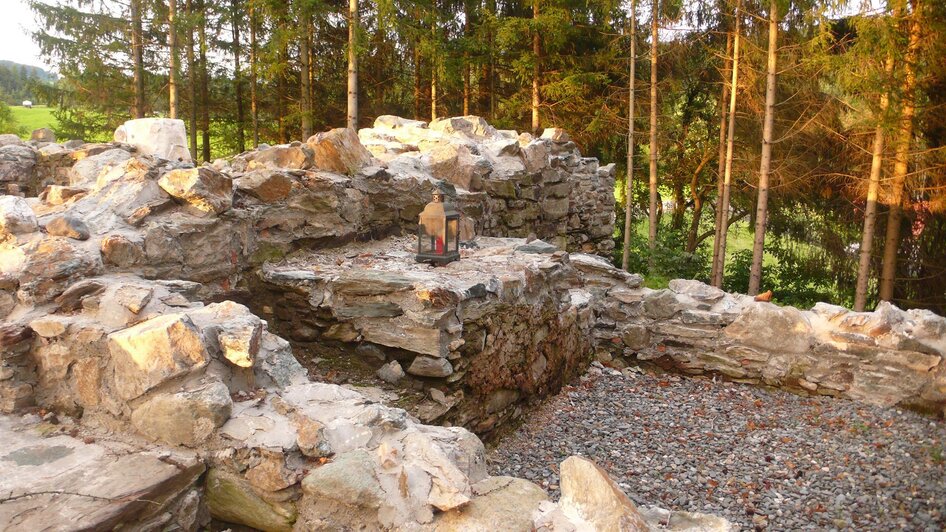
(16, 217)
(161, 137)
(339, 150)
(204, 189)
(499, 503)
(16, 164)
(86, 171)
(43, 134)
(184, 418)
(265, 185)
(590, 496)
(154, 351)
(770, 327)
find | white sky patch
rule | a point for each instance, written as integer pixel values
(16, 24)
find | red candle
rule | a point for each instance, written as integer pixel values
(439, 246)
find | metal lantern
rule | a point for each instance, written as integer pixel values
(438, 232)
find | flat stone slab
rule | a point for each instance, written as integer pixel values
(62, 483)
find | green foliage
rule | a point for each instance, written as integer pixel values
(8, 122)
(38, 117)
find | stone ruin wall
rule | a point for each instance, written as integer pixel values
(122, 245)
(888, 357)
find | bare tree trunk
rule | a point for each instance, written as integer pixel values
(536, 67)
(727, 172)
(434, 64)
(173, 58)
(870, 212)
(304, 86)
(353, 64)
(629, 186)
(235, 16)
(254, 102)
(467, 12)
(888, 274)
(762, 203)
(723, 103)
(204, 83)
(653, 220)
(138, 59)
(192, 79)
(418, 82)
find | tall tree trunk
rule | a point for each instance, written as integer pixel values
(653, 220)
(723, 105)
(138, 59)
(192, 80)
(434, 64)
(254, 102)
(418, 83)
(204, 83)
(235, 17)
(467, 12)
(173, 58)
(888, 274)
(873, 190)
(720, 265)
(762, 203)
(536, 67)
(629, 185)
(353, 64)
(304, 80)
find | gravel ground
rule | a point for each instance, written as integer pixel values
(762, 459)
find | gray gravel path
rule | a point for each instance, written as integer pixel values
(762, 459)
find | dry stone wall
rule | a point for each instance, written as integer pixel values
(886, 357)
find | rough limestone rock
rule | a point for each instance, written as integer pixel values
(16, 217)
(589, 495)
(556, 134)
(761, 324)
(499, 503)
(186, 417)
(152, 352)
(266, 185)
(52, 264)
(232, 499)
(204, 189)
(119, 250)
(232, 329)
(69, 227)
(339, 150)
(86, 171)
(392, 372)
(295, 156)
(17, 165)
(43, 135)
(59, 194)
(161, 137)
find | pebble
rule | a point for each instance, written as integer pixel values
(763, 459)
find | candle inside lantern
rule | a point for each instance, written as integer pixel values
(438, 246)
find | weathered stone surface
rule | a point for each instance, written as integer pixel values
(184, 418)
(69, 227)
(430, 367)
(589, 495)
(16, 217)
(266, 185)
(237, 331)
(767, 326)
(154, 351)
(118, 250)
(86, 171)
(58, 194)
(339, 150)
(293, 157)
(392, 372)
(86, 486)
(161, 137)
(203, 188)
(556, 134)
(17, 164)
(52, 264)
(232, 499)
(499, 503)
(43, 134)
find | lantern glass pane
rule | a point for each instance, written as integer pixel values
(453, 234)
(431, 233)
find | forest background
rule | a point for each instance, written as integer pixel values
(827, 159)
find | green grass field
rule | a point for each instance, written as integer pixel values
(29, 119)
